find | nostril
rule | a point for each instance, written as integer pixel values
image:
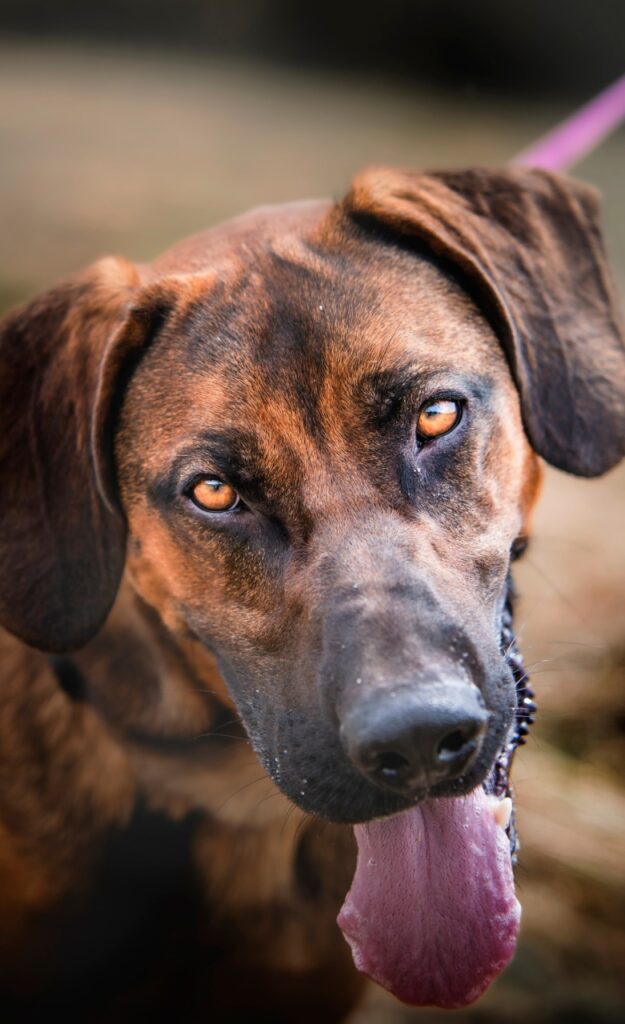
(452, 743)
(456, 742)
(427, 738)
(390, 765)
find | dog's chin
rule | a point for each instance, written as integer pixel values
(348, 800)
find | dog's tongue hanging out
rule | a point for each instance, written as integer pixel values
(432, 914)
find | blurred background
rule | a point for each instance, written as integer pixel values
(127, 125)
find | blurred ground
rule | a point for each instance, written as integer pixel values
(119, 151)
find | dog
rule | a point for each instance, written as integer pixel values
(259, 502)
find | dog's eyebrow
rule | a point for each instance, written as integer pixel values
(383, 390)
(233, 455)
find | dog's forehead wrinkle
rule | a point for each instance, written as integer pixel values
(286, 310)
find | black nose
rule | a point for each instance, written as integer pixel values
(411, 738)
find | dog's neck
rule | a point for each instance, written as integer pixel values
(148, 683)
(165, 702)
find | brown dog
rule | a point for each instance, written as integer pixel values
(275, 478)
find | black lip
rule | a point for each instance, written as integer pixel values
(498, 781)
(348, 798)
(336, 791)
(339, 793)
(322, 781)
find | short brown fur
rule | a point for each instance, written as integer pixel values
(276, 346)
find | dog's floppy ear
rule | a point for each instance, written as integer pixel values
(62, 540)
(528, 245)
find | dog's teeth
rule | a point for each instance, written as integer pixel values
(503, 812)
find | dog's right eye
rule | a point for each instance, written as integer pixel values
(213, 495)
(437, 417)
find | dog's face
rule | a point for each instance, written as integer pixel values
(316, 430)
(323, 467)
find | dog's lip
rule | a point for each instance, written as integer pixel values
(363, 802)
(382, 803)
(502, 806)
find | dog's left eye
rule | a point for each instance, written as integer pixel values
(437, 417)
(213, 495)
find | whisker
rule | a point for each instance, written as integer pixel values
(215, 734)
(247, 785)
(289, 812)
(579, 545)
(270, 796)
(556, 590)
(581, 643)
(300, 826)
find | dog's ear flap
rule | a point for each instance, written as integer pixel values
(528, 245)
(62, 539)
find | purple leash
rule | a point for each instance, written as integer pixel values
(572, 140)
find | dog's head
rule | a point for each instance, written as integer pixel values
(313, 437)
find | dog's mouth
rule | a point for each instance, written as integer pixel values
(432, 914)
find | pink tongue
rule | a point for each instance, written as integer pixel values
(431, 914)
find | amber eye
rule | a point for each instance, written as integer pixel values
(438, 417)
(214, 495)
